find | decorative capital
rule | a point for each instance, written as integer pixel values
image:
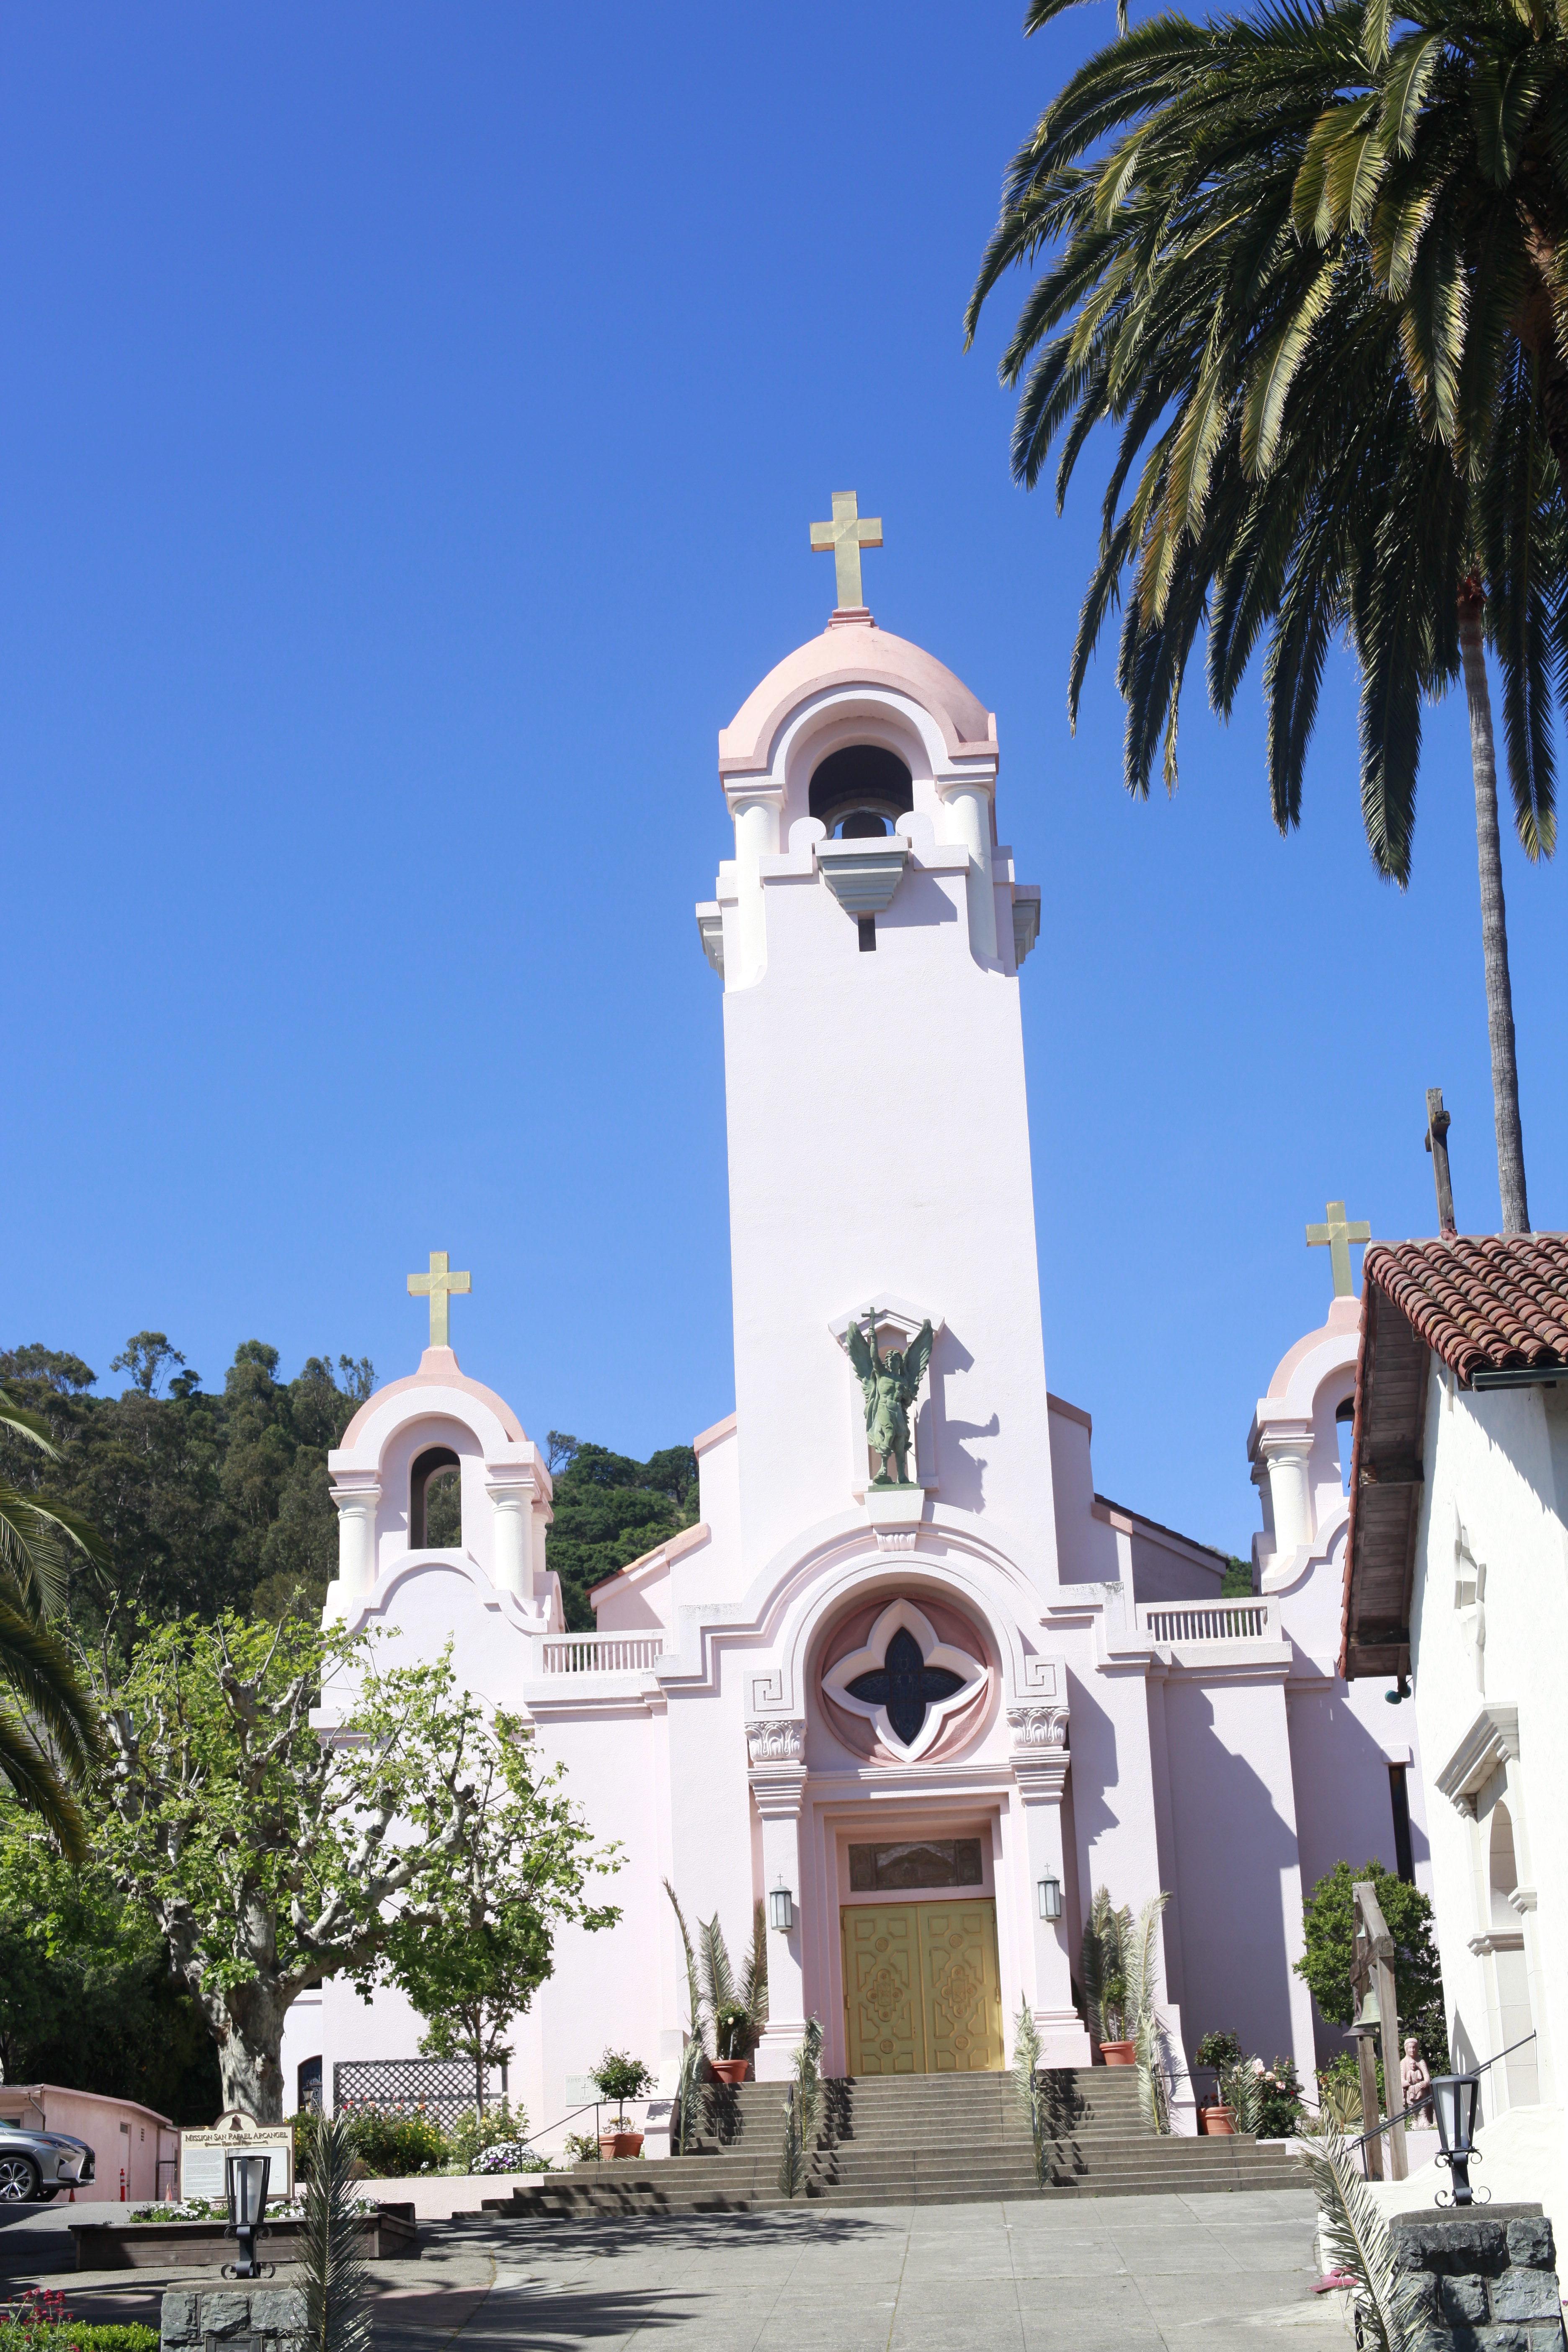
(775, 1739)
(1034, 1727)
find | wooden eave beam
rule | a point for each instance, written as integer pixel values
(1386, 1477)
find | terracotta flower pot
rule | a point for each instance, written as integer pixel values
(1218, 2122)
(616, 2144)
(729, 2070)
(1118, 2053)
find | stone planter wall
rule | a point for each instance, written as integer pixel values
(201, 2245)
(1486, 2277)
(240, 2319)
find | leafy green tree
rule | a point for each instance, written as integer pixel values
(1236, 1584)
(269, 1858)
(1326, 1962)
(609, 1510)
(87, 1999)
(520, 1874)
(1307, 274)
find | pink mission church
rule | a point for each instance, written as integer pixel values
(936, 1710)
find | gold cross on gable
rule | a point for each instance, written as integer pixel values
(438, 1284)
(846, 534)
(1339, 1236)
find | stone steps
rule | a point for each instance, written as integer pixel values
(911, 2140)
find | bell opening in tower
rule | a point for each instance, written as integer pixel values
(861, 792)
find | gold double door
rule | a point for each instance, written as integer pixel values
(923, 1993)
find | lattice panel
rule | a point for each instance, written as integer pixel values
(441, 2088)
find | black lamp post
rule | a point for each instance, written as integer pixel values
(245, 2178)
(1454, 2097)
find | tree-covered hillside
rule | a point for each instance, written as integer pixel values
(219, 1499)
(609, 1510)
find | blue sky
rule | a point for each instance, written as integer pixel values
(412, 417)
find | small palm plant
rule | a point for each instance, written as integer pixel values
(337, 2298)
(1100, 1965)
(802, 2113)
(1141, 1965)
(1028, 2084)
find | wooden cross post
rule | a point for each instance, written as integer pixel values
(438, 1285)
(844, 537)
(1437, 1124)
(1339, 1236)
(1376, 1945)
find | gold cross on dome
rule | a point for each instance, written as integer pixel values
(438, 1285)
(846, 535)
(1339, 1236)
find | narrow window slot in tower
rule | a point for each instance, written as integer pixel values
(868, 927)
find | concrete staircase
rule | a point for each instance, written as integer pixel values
(945, 2139)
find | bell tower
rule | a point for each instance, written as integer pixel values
(869, 933)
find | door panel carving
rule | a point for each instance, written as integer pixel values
(921, 1988)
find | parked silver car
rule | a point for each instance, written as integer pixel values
(36, 2164)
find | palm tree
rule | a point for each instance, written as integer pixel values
(48, 1727)
(1271, 261)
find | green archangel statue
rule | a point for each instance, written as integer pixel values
(890, 1385)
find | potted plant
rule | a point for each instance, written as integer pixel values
(733, 2034)
(620, 2078)
(1115, 2048)
(1220, 2052)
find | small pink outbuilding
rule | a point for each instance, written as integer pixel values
(137, 2150)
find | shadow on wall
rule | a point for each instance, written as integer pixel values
(1344, 1809)
(1232, 1852)
(963, 1474)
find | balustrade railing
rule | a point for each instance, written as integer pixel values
(1218, 1621)
(601, 1654)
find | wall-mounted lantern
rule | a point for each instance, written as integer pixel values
(781, 1909)
(1049, 1892)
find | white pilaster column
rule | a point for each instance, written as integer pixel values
(775, 1748)
(970, 807)
(356, 1504)
(1040, 1770)
(1287, 1450)
(756, 816)
(510, 1565)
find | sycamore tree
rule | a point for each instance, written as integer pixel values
(501, 1895)
(271, 1854)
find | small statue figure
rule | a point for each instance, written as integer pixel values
(890, 1385)
(1416, 2082)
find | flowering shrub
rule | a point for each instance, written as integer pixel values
(39, 2322)
(215, 2208)
(508, 2156)
(1277, 2094)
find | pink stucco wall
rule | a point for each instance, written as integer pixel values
(126, 2138)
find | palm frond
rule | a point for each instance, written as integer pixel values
(336, 2282)
(1355, 2239)
(39, 1784)
(717, 1978)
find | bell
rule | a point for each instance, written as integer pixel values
(1368, 2017)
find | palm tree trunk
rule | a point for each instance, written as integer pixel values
(1494, 919)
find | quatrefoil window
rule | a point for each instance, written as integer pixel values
(905, 1680)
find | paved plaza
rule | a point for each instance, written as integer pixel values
(1225, 2273)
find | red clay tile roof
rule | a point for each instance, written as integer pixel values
(1499, 1304)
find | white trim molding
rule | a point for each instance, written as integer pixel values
(1492, 1740)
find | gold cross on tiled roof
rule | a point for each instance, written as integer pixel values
(1338, 1235)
